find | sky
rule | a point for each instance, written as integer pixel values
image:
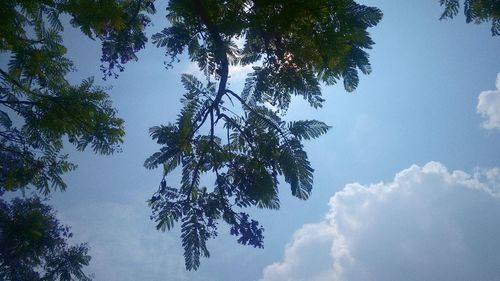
(406, 182)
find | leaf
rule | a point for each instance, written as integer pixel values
(5, 120)
(451, 8)
(53, 17)
(296, 168)
(308, 129)
(351, 79)
(194, 238)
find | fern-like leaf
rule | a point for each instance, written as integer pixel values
(308, 129)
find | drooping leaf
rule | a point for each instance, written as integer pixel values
(308, 129)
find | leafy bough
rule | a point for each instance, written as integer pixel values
(240, 140)
(248, 161)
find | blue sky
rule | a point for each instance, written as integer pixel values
(419, 105)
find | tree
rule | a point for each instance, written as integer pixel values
(477, 11)
(33, 244)
(241, 140)
(40, 109)
(248, 146)
(39, 106)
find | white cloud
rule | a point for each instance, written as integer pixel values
(427, 224)
(489, 106)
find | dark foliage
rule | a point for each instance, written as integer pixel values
(33, 244)
(476, 11)
(40, 109)
(241, 139)
(38, 106)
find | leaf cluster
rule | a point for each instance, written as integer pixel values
(293, 46)
(477, 11)
(303, 41)
(258, 148)
(39, 108)
(33, 244)
(119, 25)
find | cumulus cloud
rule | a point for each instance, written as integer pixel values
(427, 224)
(489, 106)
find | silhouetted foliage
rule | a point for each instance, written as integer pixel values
(241, 139)
(38, 106)
(477, 11)
(33, 244)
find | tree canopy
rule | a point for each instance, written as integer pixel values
(241, 139)
(39, 107)
(40, 110)
(33, 244)
(477, 11)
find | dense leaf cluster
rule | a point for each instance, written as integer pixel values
(38, 106)
(33, 244)
(297, 41)
(257, 149)
(240, 139)
(477, 11)
(40, 109)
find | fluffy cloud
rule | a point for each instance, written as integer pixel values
(489, 106)
(427, 224)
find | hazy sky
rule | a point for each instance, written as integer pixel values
(390, 200)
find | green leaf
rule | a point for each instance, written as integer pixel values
(307, 129)
(296, 168)
(194, 238)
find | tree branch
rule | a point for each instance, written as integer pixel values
(220, 51)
